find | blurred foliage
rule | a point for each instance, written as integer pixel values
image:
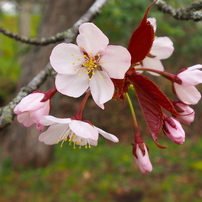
(10, 54)
(107, 173)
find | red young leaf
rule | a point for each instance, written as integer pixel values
(142, 39)
(152, 90)
(119, 86)
(152, 113)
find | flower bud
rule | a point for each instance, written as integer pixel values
(187, 114)
(142, 158)
(173, 129)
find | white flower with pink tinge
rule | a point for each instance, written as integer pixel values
(31, 109)
(142, 158)
(162, 48)
(186, 91)
(76, 132)
(91, 64)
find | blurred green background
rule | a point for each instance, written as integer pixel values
(108, 172)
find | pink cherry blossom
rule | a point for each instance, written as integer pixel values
(162, 48)
(142, 158)
(30, 110)
(91, 64)
(186, 90)
(173, 129)
(75, 131)
(187, 114)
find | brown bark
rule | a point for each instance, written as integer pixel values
(21, 144)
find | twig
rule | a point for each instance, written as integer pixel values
(6, 112)
(67, 35)
(192, 12)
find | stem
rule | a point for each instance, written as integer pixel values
(131, 109)
(167, 75)
(79, 113)
(49, 94)
(137, 136)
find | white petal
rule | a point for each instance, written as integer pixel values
(153, 23)
(102, 88)
(194, 67)
(190, 78)
(92, 39)
(66, 58)
(187, 94)
(108, 136)
(116, 61)
(162, 47)
(84, 130)
(72, 85)
(49, 120)
(153, 63)
(53, 133)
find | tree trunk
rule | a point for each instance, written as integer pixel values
(21, 144)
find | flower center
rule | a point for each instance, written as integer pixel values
(91, 63)
(72, 138)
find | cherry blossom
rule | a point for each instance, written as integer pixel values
(31, 109)
(162, 48)
(142, 158)
(173, 129)
(187, 114)
(75, 131)
(91, 64)
(185, 89)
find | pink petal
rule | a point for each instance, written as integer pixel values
(187, 94)
(84, 130)
(74, 85)
(143, 162)
(153, 63)
(191, 76)
(116, 61)
(50, 120)
(162, 47)
(29, 103)
(176, 134)
(25, 119)
(37, 114)
(102, 88)
(53, 133)
(92, 39)
(66, 58)
(153, 23)
(108, 136)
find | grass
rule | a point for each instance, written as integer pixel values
(108, 173)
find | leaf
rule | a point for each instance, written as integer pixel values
(142, 39)
(152, 112)
(153, 91)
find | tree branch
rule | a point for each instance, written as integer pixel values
(6, 112)
(192, 12)
(67, 35)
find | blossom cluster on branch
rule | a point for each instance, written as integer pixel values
(95, 68)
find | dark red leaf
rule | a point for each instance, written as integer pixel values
(153, 91)
(152, 112)
(142, 39)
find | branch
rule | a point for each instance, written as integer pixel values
(6, 112)
(67, 35)
(192, 12)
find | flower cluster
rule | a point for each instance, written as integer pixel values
(93, 67)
